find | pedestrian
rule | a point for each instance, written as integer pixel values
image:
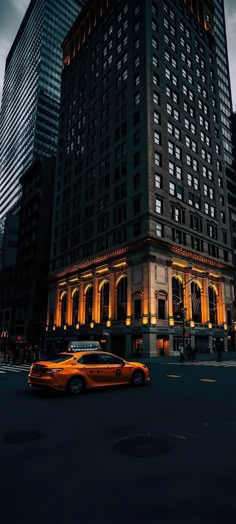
(181, 352)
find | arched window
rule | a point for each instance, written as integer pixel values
(104, 302)
(212, 305)
(196, 302)
(75, 307)
(122, 299)
(89, 305)
(177, 297)
(63, 309)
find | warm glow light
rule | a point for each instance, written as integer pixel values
(87, 275)
(179, 264)
(192, 323)
(128, 322)
(62, 283)
(74, 279)
(77, 325)
(209, 325)
(153, 320)
(171, 322)
(108, 323)
(120, 264)
(65, 327)
(102, 270)
(92, 324)
(225, 326)
(145, 320)
(46, 328)
(54, 327)
(214, 275)
(234, 326)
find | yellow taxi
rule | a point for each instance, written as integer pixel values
(78, 371)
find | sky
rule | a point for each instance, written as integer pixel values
(12, 12)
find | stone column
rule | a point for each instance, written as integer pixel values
(58, 309)
(69, 306)
(96, 303)
(81, 304)
(150, 345)
(129, 294)
(187, 296)
(205, 301)
(112, 310)
(221, 304)
(170, 294)
(171, 345)
(145, 293)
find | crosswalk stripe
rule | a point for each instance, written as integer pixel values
(10, 369)
(14, 369)
(2, 372)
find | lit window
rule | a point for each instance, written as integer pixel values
(159, 206)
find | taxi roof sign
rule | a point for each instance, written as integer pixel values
(83, 345)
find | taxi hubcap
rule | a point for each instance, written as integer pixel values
(76, 386)
(138, 378)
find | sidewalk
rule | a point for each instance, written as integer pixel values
(199, 357)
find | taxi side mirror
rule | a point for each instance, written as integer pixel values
(123, 363)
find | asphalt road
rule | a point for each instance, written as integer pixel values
(161, 454)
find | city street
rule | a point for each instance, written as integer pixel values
(161, 454)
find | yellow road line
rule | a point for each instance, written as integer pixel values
(174, 376)
(207, 380)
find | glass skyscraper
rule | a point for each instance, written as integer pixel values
(31, 93)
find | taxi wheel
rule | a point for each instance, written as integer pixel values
(76, 386)
(138, 378)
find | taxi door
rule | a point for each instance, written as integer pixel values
(90, 367)
(112, 370)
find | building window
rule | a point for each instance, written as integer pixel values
(159, 206)
(159, 230)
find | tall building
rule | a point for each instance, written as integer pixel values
(141, 250)
(31, 93)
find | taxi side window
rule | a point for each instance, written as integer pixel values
(88, 359)
(109, 359)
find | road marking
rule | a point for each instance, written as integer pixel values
(207, 380)
(181, 437)
(174, 376)
(5, 368)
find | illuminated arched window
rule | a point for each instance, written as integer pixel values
(104, 302)
(63, 309)
(196, 302)
(89, 305)
(122, 299)
(212, 305)
(177, 297)
(75, 307)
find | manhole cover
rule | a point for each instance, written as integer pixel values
(142, 446)
(22, 436)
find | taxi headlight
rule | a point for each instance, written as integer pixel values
(54, 370)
